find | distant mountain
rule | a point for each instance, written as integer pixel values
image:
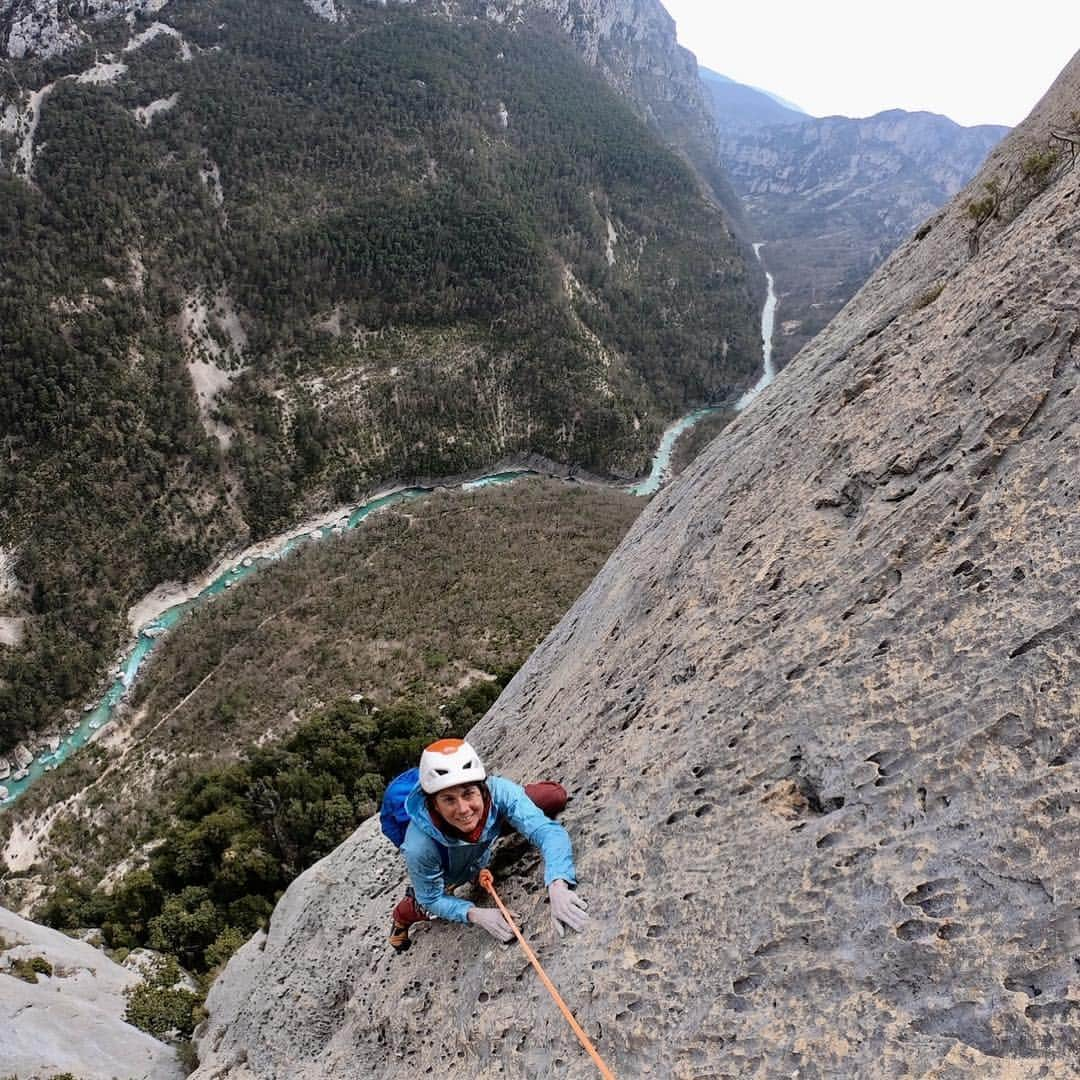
(746, 106)
(263, 256)
(833, 197)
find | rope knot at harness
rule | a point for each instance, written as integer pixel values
(487, 882)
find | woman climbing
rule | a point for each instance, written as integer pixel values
(456, 813)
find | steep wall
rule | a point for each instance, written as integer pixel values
(71, 1020)
(818, 715)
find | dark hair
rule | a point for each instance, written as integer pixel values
(481, 785)
(432, 806)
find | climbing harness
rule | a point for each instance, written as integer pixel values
(488, 882)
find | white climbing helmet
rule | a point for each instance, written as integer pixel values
(449, 762)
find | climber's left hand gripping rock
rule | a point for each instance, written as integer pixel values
(567, 908)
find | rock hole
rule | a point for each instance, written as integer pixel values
(913, 930)
(1053, 1010)
(1021, 986)
(748, 983)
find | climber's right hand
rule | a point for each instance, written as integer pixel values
(492, 921)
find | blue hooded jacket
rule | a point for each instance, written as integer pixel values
(434, 871)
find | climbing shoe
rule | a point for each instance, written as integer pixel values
(399, 938)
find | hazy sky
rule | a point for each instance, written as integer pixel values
(975, 61)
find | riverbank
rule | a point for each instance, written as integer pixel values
(768, 330)
(161, 609)
(172, 594)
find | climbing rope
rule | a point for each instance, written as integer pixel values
(488, 882)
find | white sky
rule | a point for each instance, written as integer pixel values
(975, 61)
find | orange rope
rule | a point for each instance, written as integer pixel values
(488, 882)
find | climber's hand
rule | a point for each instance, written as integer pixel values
(567, 908)
(492, 921)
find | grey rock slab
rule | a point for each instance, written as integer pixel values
(71, 1021)
(821, 736)
(45, 28)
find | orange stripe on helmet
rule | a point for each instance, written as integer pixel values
(446, 746)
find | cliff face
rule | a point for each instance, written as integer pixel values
(634, 43)
(833, 197)
(818, 719)
(72, 1019)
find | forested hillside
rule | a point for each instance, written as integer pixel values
(255, 261)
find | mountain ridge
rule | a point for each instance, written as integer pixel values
(737, 104)
(831, 197)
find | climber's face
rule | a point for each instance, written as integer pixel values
(461, 806)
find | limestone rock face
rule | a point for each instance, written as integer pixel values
(71, 1021)
(325, 9)
(47, 28)
(36, 29)
(819, 719)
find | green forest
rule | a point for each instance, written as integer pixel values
(422, 291)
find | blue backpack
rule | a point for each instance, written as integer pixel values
(393, 817)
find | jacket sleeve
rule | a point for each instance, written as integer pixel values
(549, 836)
(426, 874)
